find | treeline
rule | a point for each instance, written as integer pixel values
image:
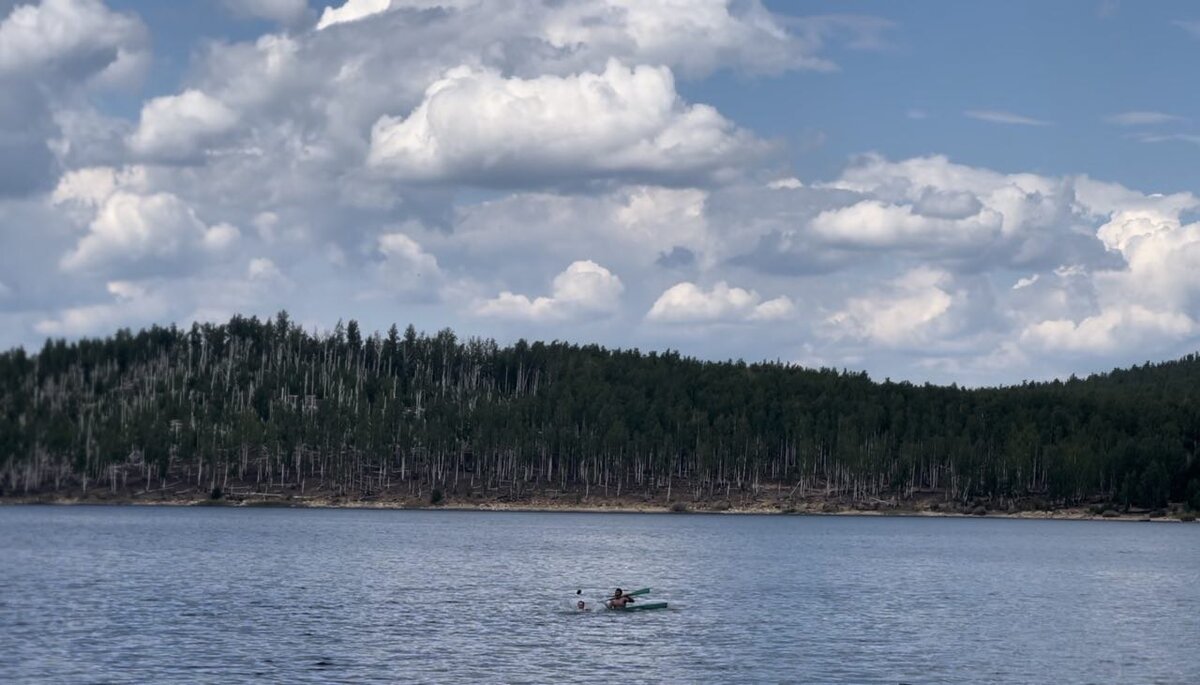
(266, 404)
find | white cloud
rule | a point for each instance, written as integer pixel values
(1144, 137)
(688, 303)
(73, 38)
(352, 10)
(179, 127)
(695, 36)
(1142, 118)
(221, 236)
(584, 288)
(406, 267)
(994, 116)
(1026, 282)
(876, 224)
(133, 303)
(789, 183)
(1126, 226)
(699, 36)
(131, 229)
(130, 226)
(1115, 329)
(537, 231)
(916, 309)
(93, 185)
(54, 55)
(479, 127)
(264, 270)
(972, 216)
(577, 105)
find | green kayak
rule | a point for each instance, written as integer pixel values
(643, 607)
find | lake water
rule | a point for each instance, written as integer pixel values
(140, 594)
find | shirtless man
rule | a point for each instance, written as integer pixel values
(619, 600)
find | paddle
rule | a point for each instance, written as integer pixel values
(635, 593)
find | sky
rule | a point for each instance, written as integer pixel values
(976, 193)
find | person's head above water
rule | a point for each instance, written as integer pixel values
(617, 593)
(580, 604)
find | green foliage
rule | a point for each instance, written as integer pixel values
(266, 403)
(435, 496)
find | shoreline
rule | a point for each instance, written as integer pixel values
(815, 508)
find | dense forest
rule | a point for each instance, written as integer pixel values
(265, 406)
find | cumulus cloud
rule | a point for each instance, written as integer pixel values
(52, 54)
(872, 223)
(92, 186)
(789, 183)
(1146, 302)
(977, 218)
(177, 127)
(479, 127)
(688, 303)
(352, 10)
(696, 36)
(406, 268)
(1115, 329)
(132, 228)
(1026, 282)
(915, 309)
(262, 270)
(632, 226)
(305, 102)
(131, 303)
(76, 39)
(345, 143)
(584, 289)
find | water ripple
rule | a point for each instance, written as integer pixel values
(134, 595)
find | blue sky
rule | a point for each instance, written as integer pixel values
(969, 192)
(1071, 64)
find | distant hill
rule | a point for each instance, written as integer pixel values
(265, 405)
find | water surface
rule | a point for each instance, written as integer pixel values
(141, 594)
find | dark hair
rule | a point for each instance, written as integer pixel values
(579, 592)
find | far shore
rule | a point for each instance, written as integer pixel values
(811, 507)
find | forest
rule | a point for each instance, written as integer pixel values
(264, 406)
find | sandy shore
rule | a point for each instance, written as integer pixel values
(609, 505)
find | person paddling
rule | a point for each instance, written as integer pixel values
(619, 600)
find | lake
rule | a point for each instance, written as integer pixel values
(164, 594)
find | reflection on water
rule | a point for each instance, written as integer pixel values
(165, 594)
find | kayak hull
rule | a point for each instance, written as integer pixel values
(648, 606)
